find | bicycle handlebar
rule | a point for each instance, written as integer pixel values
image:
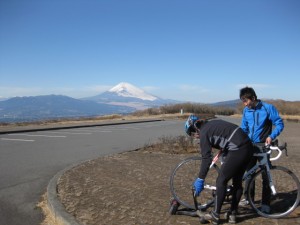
(279, 149)
(268, 149)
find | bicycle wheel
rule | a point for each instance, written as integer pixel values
(181, 182)
(287, 195)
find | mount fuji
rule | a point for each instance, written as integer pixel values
(123, 98)
(126, 94)
(128, 90)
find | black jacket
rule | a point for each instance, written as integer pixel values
(219, 134)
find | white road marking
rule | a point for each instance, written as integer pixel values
(37, 135)
(12, 139)
(135, 128)
(93, 130)
(115, 128)
(64, 132)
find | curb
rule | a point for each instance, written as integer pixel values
(56, 208)
(59, 127)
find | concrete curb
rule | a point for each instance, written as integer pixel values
(56, 208)
(59, 127)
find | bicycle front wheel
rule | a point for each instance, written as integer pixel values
(181, 183)
(287, 196)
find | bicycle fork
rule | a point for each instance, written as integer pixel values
(265, 163)
(272, 187)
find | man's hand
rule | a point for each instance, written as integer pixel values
(268, 141)
(198, 186)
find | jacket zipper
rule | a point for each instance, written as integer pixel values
(253, 126)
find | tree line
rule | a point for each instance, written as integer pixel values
(284, 108)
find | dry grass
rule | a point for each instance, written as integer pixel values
(174, 145)
(295, 118)
(291, 117)
(49, 218)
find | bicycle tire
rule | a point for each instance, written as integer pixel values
(182, 178)
(174, 205)
(287, 196)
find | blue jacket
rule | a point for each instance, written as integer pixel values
(257, 123)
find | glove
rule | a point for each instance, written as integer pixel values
(198, 186)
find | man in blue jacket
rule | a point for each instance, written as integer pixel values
(258, 120)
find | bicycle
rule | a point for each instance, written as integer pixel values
(283, 183)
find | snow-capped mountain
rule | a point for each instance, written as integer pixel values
(125, 94)
(128, 90)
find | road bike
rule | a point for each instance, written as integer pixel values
(282, 182)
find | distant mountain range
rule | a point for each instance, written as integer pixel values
(233, 104)
(123, 98)
(21, 109)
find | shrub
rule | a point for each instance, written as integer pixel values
(174, 145)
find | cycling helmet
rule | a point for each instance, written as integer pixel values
(189, 124)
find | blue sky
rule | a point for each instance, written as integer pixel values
(190, 50)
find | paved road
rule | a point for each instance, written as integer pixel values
(29, 160)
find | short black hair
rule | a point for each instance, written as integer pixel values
(247, 93)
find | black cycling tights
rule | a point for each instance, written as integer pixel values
(233, 168)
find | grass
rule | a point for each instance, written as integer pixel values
(173, 145)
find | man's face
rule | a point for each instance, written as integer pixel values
(249, 103)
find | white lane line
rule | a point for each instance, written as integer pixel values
(115, 129)
(118, 128)
(64, 132)
(37, 135)
(12, 139)
(135, 128)
(103, 131)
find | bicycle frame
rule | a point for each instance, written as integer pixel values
(263, 161)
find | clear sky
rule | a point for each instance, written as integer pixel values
(190, 50)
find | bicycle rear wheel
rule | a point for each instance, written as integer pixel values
(287, 196)
(181, 183)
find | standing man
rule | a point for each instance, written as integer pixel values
(257, 121)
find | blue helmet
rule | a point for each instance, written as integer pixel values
(189, 126)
